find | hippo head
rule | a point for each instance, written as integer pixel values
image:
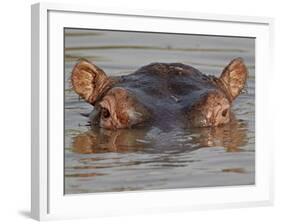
(163, 94)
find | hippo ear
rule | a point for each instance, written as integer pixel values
(89, 81)
(234, 77)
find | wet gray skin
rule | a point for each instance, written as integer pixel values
(163, 95)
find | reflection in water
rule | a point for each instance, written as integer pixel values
(102, 140)
(230, 136)
(150, 158)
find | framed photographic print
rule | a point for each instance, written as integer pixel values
(148, 111)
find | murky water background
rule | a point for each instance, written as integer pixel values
(123, 160)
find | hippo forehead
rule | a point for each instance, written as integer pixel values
(167, 86)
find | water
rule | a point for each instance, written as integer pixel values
(149, 158)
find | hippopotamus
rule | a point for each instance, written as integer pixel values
(165, 95)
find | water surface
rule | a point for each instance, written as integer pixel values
(149, 158)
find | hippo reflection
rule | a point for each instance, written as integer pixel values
(160, 94)
(231, 136)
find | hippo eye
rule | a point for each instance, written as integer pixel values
(224, 112)
(105, 113)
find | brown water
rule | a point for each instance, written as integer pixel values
(150, 158)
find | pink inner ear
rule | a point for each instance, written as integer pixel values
(234, 77)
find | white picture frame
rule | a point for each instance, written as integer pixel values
(48, 200)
